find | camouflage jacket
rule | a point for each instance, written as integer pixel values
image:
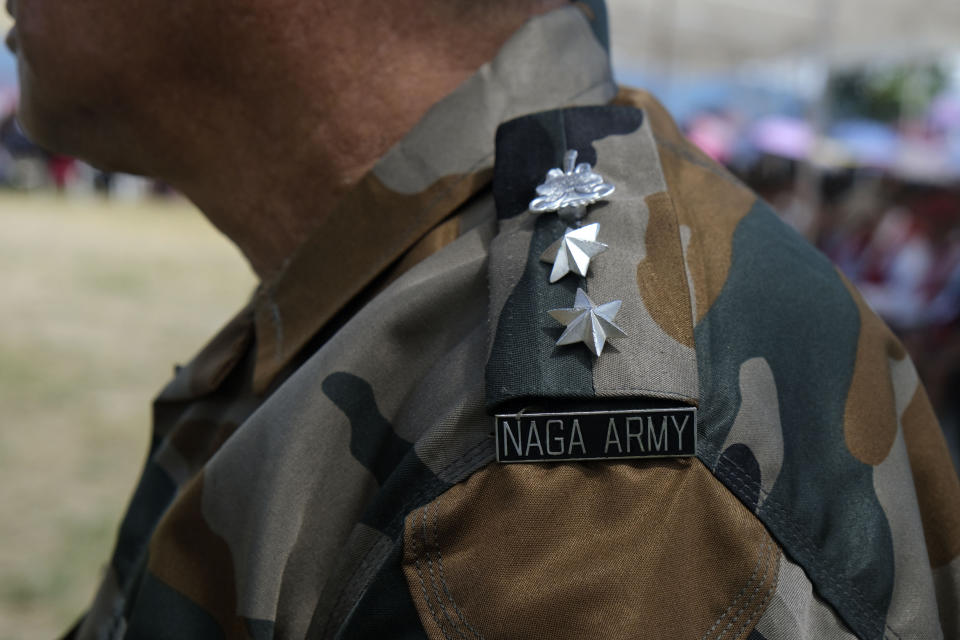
(325, 467)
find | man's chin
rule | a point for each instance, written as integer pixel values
(65, 133)
(39, 122)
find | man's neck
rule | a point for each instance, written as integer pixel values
(305, 140)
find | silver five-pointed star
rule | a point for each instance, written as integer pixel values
(589, 323)
(573, 251)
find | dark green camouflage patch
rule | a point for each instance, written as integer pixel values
(784, 302)
(163, 613)
(155, 491)
(373, 441)
(386, 609)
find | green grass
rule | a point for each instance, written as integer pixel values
(100, 300)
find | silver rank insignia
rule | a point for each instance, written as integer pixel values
(589, 323)
(568, 191)
(573, 252)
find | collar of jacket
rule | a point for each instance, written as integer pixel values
(403, 209)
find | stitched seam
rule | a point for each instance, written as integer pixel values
(861, 610)
(864, 613)
(433, 579)
(753, 582)
(367, 561)
(470, 457)
(443, 577)
(746, 604)
(605, 393)
(753, 576)
(765, 602)
(423, 585)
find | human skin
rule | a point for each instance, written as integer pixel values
(263, 112)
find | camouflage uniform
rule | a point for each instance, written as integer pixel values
(324, 467)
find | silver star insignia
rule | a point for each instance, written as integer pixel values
(573, 251)
(568, 191)
(589, 323)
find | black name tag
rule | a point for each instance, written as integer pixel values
(601, 435)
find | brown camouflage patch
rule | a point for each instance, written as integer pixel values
(712, 202)
(711, 207)
(668, 304)
(438, 237)
(189, 557)
(589, 551)
(222, 353)
(938, 489)
(196, 440)
(663, 125)
(370, 229)
(870, 416)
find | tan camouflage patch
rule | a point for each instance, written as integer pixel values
(797, 611)
(669, 305)
(517, 552)
(912, 603)
(938, 489)
(669, 368)
(870, 416)
(758, 424)
(189, 557)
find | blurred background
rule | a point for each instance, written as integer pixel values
(844, 116)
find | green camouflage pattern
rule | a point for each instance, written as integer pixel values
(287, 456)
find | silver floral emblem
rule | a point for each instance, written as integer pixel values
(568, 191)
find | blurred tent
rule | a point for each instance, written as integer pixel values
(720, 35)
(870, 143)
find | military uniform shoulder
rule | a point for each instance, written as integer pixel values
(662, 288)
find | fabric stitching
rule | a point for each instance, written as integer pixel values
(423, 585)
(766, 572)
(350, 586)
(862, 609)
(864, 612)
(433, 580)
(743, 590)
(443, 578)
(605, 393)
(467, 459)
(764, 603)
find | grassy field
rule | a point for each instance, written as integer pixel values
(100, 300)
